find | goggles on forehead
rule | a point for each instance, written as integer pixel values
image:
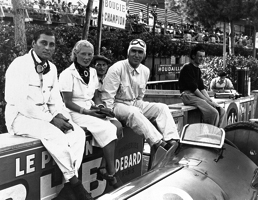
(138, 41)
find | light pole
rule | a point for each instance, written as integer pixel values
(154, 6)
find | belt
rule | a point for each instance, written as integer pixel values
(126, 99)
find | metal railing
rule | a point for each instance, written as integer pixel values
(163, 85)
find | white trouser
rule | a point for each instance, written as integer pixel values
(66, 148)
(142, 114)
(102, 130)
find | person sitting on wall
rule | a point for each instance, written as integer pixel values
(35, 109)
(123, 91)
(78, 84)
(193, 91)
(221, 83)
(101, 64)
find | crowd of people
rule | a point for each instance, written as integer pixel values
(189, 33)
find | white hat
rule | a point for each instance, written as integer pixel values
(138, 43)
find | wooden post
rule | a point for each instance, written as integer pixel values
(19, 25)
(224, 46)
(100, 21)
(86, 26)
(254, 41)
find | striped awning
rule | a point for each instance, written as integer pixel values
(172, 17)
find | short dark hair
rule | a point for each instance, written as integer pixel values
(37, 34)
(222, 73)
(195, 49)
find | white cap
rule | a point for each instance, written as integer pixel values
(138, 44)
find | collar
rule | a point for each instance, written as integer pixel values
(194, 64)
(132, 70)
(74, 71)
(36, 56)
(101, 78)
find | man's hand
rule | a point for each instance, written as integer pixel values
(96, 113)
(213, 104)
(103, 111)
(62, 123)
(61, 116)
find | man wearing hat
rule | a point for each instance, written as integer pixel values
(221, 83)
(101, 64)
(123, 91)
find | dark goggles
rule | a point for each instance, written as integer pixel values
(138, 41)
(40, 68)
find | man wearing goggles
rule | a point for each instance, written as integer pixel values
(123, 91)
(35, 109)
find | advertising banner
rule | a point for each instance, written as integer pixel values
(114, 13)
(27, 170)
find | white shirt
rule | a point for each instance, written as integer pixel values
(29, 93)
(71, 81)
(122, 84)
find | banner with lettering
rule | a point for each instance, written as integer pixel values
(114, 13)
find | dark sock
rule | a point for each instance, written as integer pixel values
(80, 192)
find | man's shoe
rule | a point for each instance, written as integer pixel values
(80, 192)
(66, 193)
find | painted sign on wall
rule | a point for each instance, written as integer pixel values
(30, 172)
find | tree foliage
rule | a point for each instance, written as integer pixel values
(209, 12)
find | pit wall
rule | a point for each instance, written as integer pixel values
(27, 171)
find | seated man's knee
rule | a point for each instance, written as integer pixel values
(161, 106)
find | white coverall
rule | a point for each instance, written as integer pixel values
(102, 130)
(32, 102)
(123, 91)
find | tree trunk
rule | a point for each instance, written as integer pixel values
(232, 38)
(254, 41)
(100, 21)
(86, 26)
(19, 25)
(224, 46)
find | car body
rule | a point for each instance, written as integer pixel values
(194, 171)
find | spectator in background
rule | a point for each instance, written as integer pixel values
(70, 7)
(221, 83)
(199, 37)
(94, 16)
(141, 16)
(36, 6)
(212, 38)
(59, 5)
(206, 36)
(64, 7)
(187, 36)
